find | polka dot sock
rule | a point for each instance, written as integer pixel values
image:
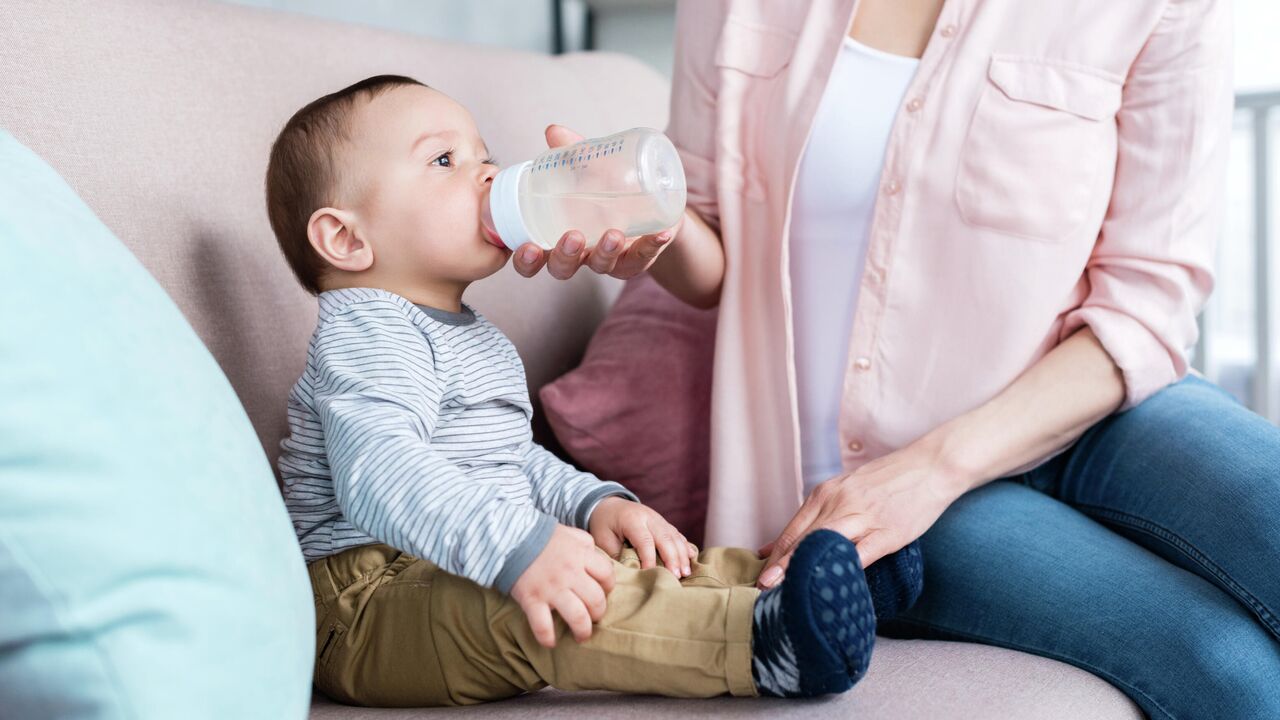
(813, 634)
(896, 581)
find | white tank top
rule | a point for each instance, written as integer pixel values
(834, 198)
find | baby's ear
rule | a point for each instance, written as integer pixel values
(332, 235)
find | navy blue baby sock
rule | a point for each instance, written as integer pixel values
(813, 634)
(896, 581)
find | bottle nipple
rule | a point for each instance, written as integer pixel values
(487, 226)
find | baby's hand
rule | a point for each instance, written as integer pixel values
(617, 519)
(569, 576)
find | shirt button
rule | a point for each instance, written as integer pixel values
(892, 187)
(862, 363)
(855, 445)
(915, 104)
(949, 30)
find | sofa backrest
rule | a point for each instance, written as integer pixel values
(161, 115)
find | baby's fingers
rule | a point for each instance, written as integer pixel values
(675, 552)
(544, 630)
(575, 614)
(641, 539)
(601, 568)
(592, 596)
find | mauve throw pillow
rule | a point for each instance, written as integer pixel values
(638, 408)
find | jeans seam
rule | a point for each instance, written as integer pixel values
(1114, 680)
(1265, 615)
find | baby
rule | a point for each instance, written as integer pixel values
(439, 537)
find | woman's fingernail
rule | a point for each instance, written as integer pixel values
(663, 237)
(610, 243)
(529, 255)
(573, 245)
(771, 576)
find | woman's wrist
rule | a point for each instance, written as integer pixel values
(692, 265)
(955, 452)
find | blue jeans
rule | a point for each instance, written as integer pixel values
(1147, 554)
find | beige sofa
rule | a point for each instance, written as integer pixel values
(161, 114)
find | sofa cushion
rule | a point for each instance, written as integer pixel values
(147, 567)
(908, 680)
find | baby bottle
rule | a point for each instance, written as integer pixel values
(632, 181)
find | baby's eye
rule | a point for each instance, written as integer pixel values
(447, 158)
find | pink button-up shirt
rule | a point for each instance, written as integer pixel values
(1053, 165)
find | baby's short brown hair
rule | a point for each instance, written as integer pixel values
(302, 173)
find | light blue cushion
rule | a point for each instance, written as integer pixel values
(147, 565)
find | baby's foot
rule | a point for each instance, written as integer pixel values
(896, 581)
(813, 634)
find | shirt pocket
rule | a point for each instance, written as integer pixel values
(1040, 137)
(750, 57)
(754, 49)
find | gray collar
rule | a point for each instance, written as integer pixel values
(466, 317)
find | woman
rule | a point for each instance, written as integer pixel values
(958, 251)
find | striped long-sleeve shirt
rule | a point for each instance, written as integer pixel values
(410, 426)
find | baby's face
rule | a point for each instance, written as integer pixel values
(421, 172)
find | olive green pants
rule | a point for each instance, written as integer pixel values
(393, 630)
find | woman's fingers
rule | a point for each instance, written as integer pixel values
(640, 254)
(765, 551)
(529, 259)
(786, 542)
(567, 256)
(559, 135)
(853, 527)
(774, 572)
(875, 545)
(604, 256)
(614, 255)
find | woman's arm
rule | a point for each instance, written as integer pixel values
(692, 267)
(688, 259)
(1047, 408)
(892, 500)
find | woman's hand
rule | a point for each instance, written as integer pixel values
(882, 506)
(614, 255)
(892, 500)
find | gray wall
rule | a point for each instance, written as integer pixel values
(643, 28)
